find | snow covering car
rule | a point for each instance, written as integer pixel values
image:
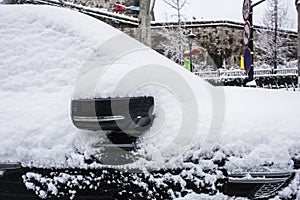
(204, 142)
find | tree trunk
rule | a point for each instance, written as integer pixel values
(144, 23)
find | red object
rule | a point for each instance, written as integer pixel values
(194, 51)
(120, 7)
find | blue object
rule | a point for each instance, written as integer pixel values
(134, 8)
(247, 60)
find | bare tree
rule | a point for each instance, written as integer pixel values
(176, 38)
(177, 5)
(175, 44)
(275, 47)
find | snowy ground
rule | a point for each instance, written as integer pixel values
(50, 55)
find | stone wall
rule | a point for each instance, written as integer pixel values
(223, 40)
(222, 43)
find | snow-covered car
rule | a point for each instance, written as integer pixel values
(68, 89)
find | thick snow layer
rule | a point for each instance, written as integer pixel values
(50, 55)
(263, 123)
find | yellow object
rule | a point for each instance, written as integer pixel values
(242, 63)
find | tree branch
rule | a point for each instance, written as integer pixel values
(182, 4)
(170, 4)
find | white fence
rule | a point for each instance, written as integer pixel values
(271, 78)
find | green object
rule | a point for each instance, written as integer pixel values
(187, 64)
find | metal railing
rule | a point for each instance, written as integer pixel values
(270, 78)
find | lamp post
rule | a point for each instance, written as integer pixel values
(191, 36)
